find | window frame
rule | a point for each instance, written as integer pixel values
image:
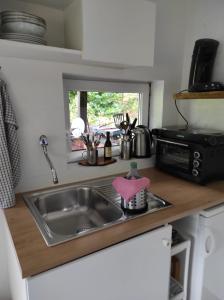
(88, 85)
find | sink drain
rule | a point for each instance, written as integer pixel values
(83, 228)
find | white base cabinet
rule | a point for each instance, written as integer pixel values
(137, 269)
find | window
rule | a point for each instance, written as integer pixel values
(95, 107)
(98, 112)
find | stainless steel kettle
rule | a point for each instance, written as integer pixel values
(142, 141)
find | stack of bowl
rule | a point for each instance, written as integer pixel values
(23, 27)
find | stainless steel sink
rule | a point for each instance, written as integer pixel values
(66, 213)
(63, 214)
(76, 210)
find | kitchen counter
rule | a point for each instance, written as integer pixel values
(35, 257)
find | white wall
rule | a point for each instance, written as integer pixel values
(36, 92)
(205, 20)
(73, 26)
(169, 47)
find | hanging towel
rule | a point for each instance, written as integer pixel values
(9, 150)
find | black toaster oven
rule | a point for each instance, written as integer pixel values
(193, 154)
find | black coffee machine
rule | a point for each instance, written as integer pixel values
(203, 59)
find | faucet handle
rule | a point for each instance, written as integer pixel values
(43, 140)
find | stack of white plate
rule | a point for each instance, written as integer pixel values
(23, 27)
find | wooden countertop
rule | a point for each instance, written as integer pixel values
(35, 257)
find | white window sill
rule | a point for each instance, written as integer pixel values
(122, 165)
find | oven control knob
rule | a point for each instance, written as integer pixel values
(196, 163)
(197, 154)
(195, 172)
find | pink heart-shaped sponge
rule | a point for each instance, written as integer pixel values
(128, 188)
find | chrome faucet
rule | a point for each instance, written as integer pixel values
(44, 144)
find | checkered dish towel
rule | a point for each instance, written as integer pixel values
(9, 150)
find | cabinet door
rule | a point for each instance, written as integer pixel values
(137, 269)
(212, 252)
(120, 32)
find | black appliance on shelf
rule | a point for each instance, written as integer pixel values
(203, 59)
(193, 154)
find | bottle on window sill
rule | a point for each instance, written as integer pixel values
(108, 147)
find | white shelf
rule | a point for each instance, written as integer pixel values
(59, 4)
(180, 247)
(176, 290)
(178, 297)
(39, 52)
(182, 250)
(48, 53)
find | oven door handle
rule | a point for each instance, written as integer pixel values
(173, 143)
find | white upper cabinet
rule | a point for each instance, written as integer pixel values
(118, 32)
(112, 32)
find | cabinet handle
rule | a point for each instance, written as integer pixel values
(166, 242)
(209, 243)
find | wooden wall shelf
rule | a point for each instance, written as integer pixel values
(199, 95)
